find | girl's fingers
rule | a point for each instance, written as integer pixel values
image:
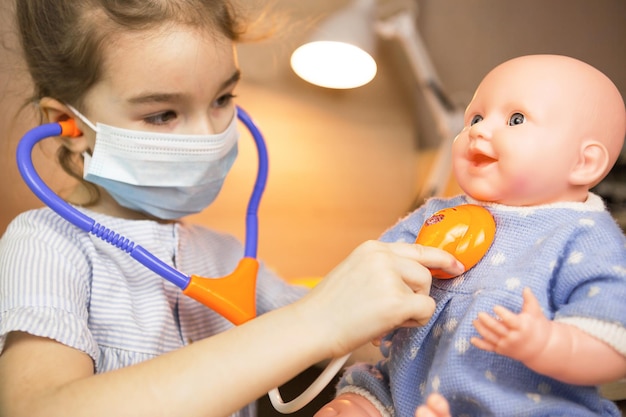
(415, 276)
(385, 285)
(414, 262)
(422, 309)
(435, 258)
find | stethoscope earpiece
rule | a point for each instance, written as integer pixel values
(69, 128)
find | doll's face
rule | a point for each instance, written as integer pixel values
(521, 139)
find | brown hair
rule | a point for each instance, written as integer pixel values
(62, 41)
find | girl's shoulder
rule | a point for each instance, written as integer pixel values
(39, 231)
(38, 222)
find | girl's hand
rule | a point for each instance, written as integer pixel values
(380, 286)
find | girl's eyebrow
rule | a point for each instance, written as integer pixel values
(171, 97)
(232, 80)
(155, 98)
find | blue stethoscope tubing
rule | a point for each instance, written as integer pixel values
(137, 252)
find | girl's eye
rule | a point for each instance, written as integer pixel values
(476, 119)
(225, 100)
(516, 119)
(161, 118)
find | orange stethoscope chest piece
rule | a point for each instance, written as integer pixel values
(465, 231)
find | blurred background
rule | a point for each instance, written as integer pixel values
(345, 164)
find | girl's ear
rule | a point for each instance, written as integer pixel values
(55, 111)
(592, 166)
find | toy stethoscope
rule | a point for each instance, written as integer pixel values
(465, 231)
(232, 296)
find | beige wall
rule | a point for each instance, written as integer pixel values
(467, 38)
(344, 165)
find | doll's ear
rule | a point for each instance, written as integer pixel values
(592, 166)
(55, 111)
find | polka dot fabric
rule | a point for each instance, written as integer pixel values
(573, 258)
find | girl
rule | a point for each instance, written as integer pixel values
(87, 331)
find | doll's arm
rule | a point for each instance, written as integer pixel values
(551, 348)
(436, 406)
(349, 405)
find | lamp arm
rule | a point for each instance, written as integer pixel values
(403, 28)
(448, 117)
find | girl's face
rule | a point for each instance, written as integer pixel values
(519, 144)
(175, 80)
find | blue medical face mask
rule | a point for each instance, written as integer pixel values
(167, 176)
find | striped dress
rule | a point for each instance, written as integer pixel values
(59, 282)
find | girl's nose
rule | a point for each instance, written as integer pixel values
(213, 125)
(206, 127)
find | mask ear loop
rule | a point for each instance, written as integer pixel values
(82, 118)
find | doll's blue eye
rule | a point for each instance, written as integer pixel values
(476, 119)
(516, 119)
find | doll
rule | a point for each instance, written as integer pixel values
(539, 133)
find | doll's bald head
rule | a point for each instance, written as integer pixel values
(540, 129)
(579, 96)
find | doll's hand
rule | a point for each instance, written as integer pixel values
(549, 347)
(349, 405)
(519, 336)
(436, 406)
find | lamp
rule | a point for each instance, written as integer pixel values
(339, 52)
(355, 28)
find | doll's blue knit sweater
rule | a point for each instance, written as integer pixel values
(573, 258)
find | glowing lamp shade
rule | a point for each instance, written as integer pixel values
(333, 64)
(339, 54)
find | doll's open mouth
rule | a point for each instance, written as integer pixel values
(480, 160)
